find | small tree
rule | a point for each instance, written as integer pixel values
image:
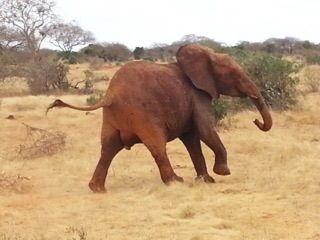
(67, 36)
(138, 53)
(47, 74)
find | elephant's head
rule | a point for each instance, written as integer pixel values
(218, 74)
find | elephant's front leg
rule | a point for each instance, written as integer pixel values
(205, 124)
(191, 141)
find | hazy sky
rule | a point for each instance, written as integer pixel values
(144, 22)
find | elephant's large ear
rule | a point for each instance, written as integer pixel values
(195, 63)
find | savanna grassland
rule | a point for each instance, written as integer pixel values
(273, 192)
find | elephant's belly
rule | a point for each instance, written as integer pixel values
(136, 121)
(129, 139)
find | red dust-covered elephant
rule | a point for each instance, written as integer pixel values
(153, 104)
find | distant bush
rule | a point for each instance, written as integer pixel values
(69, 57)
(94, 98)
(313, 59)
(109, 52)
(11, 63)
(307, 45)
(45, 75)
(220, 108)
(138, 53)
(273, 75)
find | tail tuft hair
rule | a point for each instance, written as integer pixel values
(56, 103)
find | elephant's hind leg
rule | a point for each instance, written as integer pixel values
(111, 144)
(155, 141)
(191, 141)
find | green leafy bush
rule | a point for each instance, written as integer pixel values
(273, 76)
(69, 57)
(313, 59)
(94, 98)
(220, 108)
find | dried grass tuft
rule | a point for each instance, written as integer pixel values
(14, 183)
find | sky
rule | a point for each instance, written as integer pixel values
(145, 22)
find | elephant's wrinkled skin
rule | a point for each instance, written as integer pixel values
(156, 103)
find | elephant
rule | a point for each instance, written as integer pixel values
(153, 104)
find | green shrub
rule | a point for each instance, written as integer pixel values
(94, 98)
(220, 108)
(138, 53)
(313, 59)
(69, 57)
(273, 76)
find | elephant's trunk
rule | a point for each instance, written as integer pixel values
(265, 113)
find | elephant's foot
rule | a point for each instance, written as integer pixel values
(171, 179)
(221, 169)
(205, 178)
(96, 187)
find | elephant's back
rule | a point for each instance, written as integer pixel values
(147, 74)
(142, 80)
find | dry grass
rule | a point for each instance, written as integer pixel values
(310, 78)
(14, 183)
(13, 87)
(273, 192)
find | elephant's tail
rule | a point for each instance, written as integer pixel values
(106, 101)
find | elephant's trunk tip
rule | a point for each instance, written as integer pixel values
(265, 113)
(263, 127)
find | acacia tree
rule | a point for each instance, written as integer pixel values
(115, 52)
(31, 19)
(67, 36)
